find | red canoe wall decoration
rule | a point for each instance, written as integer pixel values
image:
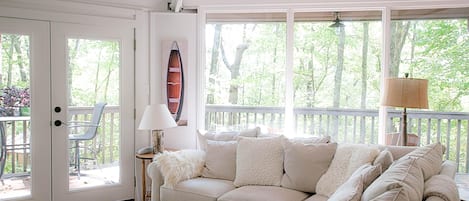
(175, 82)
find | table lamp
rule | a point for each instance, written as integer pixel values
(406, 93)
(156, 117)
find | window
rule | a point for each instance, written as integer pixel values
(245, 70)
(337, 68)
(434, 44)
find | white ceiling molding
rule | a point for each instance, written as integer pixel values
(151, 5)
(59, 10)
(330, 5)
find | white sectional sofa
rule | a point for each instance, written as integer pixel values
(248, 167)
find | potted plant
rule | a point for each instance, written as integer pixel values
(15, 101)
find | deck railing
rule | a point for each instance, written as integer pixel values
(352, 125)
(103, 147)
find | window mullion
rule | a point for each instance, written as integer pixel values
(289, 114)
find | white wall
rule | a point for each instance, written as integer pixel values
(175, 26)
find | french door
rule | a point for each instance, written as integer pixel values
(92, 64)
(70, 68)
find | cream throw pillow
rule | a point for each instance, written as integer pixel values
(347, 159)
(384, 159)
(305, 164)
(179, 165)
(259, 161)
(352, 189)
(220, 160)
(429, 158)
(396, 194)
(404, 174)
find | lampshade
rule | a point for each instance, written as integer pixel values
(406, 92)
(156, 117)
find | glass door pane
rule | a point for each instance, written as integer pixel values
(15, 163)
(93, 78)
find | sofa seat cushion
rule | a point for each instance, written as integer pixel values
(263, 193)
(317, 197)
(197, 189)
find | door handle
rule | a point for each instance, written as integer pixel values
(57, 123)
(57, 109)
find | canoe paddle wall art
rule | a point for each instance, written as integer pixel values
(174, 59)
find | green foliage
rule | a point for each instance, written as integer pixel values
(94, 72)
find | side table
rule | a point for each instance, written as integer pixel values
(462, 181)
(144, 158)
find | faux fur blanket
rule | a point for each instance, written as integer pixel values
(180, 165)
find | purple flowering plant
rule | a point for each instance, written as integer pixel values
(15, 97)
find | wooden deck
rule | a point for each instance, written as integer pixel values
(20, 186)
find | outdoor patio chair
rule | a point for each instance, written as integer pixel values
(89, 130)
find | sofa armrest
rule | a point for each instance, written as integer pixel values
(449, 168)
(156, 180)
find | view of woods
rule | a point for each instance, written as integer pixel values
(98, 60)
(335, 67)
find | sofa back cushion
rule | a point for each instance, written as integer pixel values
(259, 161)
(304, 164)
(347, 159)
(220, 160)
(203, 136)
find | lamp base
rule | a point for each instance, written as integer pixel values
(157, 138)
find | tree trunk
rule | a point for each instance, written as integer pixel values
(340, 68)
(214, 63)
(71, 66)
(10, 60)
(310, 84)
(399, 33)
(364, 79)
(338, 80)
(96, 79)
(234, 69)
(1, 63)
(364, 64)
(19, 58)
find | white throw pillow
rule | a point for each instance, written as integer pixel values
(384, 159)
(429, 158)
(352, 189)
(404, 174)
(259, 161)
(220, 160)
(305, 164)
(347, 159)
(179, 165)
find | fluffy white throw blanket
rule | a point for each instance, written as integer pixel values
(180, 165)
